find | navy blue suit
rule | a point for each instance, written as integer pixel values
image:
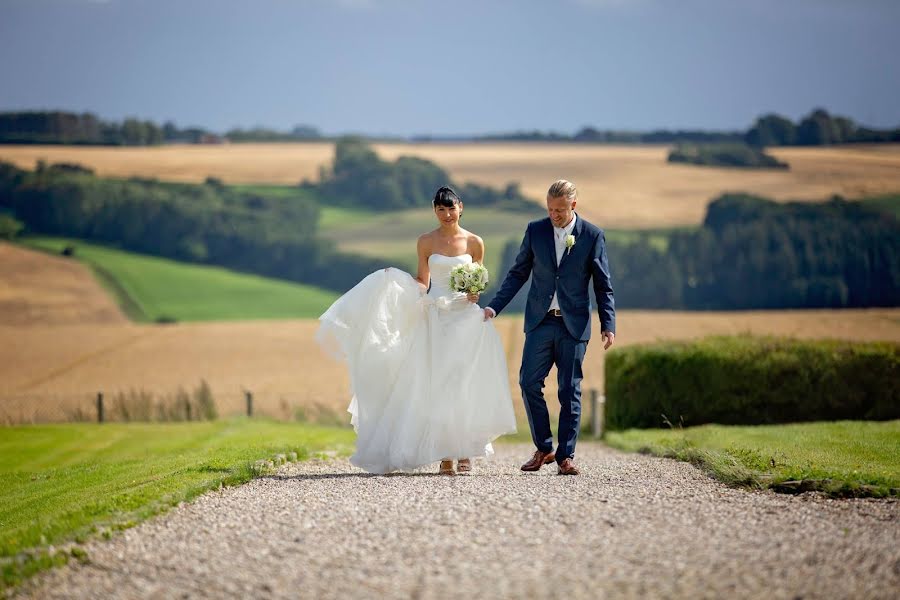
(553, 340)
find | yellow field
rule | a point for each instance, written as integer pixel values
(51, 290)
(620, 186)
(45, 370)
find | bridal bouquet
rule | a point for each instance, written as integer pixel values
(470, 278)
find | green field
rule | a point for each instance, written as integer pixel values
(392, 235)
(65, 483)
(151, 289)
(843, 458)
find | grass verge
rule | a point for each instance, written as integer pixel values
(841, 458)
(61, 485)
(157, 289)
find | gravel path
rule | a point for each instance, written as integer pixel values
(629, 526)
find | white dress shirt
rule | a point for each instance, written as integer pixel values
(559, 237)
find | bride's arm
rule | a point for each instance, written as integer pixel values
(476, 249)
(423, 250)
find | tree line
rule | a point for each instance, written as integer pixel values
(754, 253)
(264, 134)
(592, 135)
(819, 128)
(60, 127)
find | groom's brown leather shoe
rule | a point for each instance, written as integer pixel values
(539, 460)
(567, 467)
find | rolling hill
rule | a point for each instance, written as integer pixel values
(155, 289)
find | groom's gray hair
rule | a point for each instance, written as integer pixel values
(563, 188)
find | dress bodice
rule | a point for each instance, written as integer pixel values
(440, 267)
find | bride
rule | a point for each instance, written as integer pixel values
(427, 372)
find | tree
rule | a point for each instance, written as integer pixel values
(772, 130)
(818, 129)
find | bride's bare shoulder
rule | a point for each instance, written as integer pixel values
(474, 244)
(425, 241)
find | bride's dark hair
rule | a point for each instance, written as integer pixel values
(445, 196)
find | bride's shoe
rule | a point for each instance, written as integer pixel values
(447, 468)
(464, 465)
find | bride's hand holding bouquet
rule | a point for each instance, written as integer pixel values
(470, 279)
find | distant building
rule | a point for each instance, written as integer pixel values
(212, 138)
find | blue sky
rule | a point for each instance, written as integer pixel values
(418, 67)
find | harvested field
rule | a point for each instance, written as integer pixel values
(46, 372)
(51, 290)
(620, 186)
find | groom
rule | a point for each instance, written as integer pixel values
(561, 253)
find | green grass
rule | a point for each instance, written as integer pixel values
(150, 288)
(269, 190)
(842, 458)
(889, 203)
(69, 482)
(335, 218)
(658, 238)
(330, 216)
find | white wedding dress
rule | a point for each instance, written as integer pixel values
(427, 372)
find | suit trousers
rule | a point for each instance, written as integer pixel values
(547, 344)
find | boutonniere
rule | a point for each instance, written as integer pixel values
(570, 241)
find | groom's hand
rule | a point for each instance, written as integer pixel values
(489, 313)
(608, 338)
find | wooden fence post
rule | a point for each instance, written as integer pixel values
(598, 405)
(99, 407)
(249, 396)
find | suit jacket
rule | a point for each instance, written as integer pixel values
(585, 261)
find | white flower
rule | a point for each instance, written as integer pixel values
(470, 277)
(570, 241)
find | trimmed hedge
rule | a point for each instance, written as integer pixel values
(751, 381)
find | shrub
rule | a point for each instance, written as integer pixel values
(9, 227)
(725, 155)
(751, 381)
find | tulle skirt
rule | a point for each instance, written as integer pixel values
(428, 375)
